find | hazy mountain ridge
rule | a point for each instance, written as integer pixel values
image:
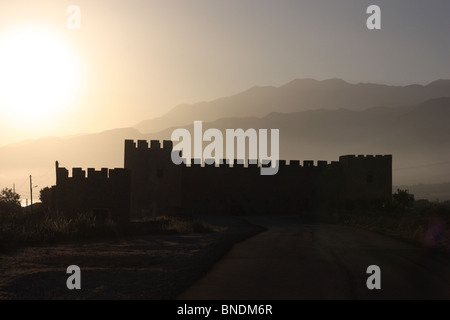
(299, 95)
(417, 135)
(342, 131)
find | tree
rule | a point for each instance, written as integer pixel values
(404, 198)
(46, 197)
(9, 201)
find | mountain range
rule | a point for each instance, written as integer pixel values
(318, 120)
(299, 95)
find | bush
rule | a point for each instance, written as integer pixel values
(427, 224)
(9, 202)
(403, 198)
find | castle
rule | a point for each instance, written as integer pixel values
(151, 184)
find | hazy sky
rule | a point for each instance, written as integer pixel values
(139, 58)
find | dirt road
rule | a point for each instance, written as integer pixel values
(308, 261)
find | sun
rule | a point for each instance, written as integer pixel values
(40, 76)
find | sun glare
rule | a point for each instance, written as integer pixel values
(39, 76)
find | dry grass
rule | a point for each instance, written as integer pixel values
(179, 225)
(134, 267)
(23, 229)
(428, 226)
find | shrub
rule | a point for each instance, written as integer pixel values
(9, 202)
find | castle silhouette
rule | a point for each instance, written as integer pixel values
(150, 184)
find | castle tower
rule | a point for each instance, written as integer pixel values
(155, 180)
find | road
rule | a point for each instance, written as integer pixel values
(292, 261)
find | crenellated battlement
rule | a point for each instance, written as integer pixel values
(92, 174)
(167, 147)
(365, 157)
(144, 145)
(239, 163)
(106, 193)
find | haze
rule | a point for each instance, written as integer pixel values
(140, 69)
(141, 58)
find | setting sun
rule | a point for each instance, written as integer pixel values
(39, 75)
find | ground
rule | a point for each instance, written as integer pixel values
(272, 258)
(294, 260)
(144, 267)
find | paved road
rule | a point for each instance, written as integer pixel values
(307, 261)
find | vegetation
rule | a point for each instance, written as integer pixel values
(421, 222)
(24, 229)
(403, 198)
(45, 196)
(179, 225)
(19, 227)
(9, 202)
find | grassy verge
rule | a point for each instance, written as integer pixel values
(138, 267)
(427, 226)
(178, 225)
(25, 229)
